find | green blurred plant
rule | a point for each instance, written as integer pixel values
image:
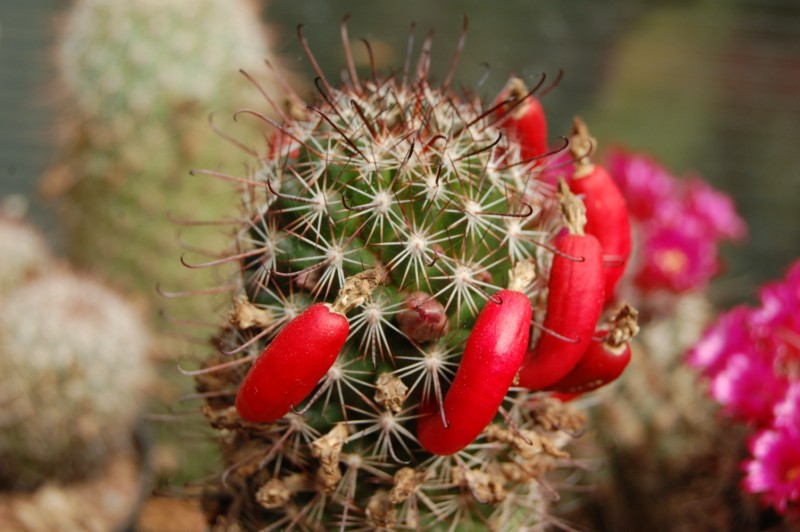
(143, 76)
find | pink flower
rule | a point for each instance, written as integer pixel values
(775, 308)
(774, 471)
(787, 412)
(790, 298)
(727, 336)
(793, 278)
(677, 258)
(642, 181)
(715, 209)
(682, 222)
(753, 359)
(748, 388)
(776, 323)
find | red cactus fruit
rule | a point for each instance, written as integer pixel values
(606, 209)
(574, 301)
(491, 359)
(522, 117)
(605, 360)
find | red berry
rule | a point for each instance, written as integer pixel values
(279, 145)
(302, 353)
(492, 356)
(564, 397)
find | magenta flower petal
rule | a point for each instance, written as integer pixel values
(715, 209)
(776, 322)
(676, 258)
(753, 358)
(682, 222)
(776, 306)
(560, 165)
(748, 388)
(792, 298)
(644, 183)
(787, 412)
(774, 471)
(727, 336)
(793, 278)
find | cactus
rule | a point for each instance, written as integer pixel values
(24, 251)
(74, 371)
(144, 75)
(418, 192)
(660, 407)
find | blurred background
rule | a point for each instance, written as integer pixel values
(707, 87)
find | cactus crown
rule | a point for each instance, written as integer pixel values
(392, 172)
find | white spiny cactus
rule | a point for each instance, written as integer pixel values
(74, 372)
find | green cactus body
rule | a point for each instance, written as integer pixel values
(144, 75)
(397, 173)
(74, 372)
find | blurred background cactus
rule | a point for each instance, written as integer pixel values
(24, 250)
(147, 83)
(142, 78)
(74, 371)
(74, 374)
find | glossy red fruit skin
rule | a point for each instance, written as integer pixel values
(564, 397)
(574, 303)
(491, 359)
(599, 366)
(607, 220)
(290, 367)
(529, 129)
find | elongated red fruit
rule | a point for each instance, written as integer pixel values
(606, 208)
(524, 120)
(600, 365)
(492, 356)
(288, 370)
(606, 359)
(290, 367)
(574, 303)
